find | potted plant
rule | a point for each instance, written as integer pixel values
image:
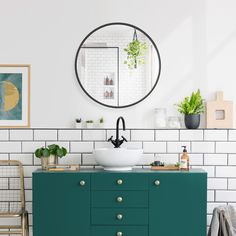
(192, 107)
(89, 124)
(101, 122)
(50, 154)
(43, 154)
(78, 123)
(55, 152)
(135, 53)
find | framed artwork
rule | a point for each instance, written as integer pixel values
(14, 96)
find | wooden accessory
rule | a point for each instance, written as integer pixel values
(165, 168)
(219, 113)
(72, 167)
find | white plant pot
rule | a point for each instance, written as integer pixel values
(78, 125)
(89, 125)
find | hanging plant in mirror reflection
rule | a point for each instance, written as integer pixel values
(135, 52)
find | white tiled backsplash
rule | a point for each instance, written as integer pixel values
(212, 150)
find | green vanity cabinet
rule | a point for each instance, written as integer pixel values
(136, 203)
(177, 204)
(61, 204)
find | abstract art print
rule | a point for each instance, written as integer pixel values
(14, 95)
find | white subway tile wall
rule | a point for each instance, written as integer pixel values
(193, 135)
(144, 135)
(21, 135)
(212, 150)
(4, 134)
(92, 135)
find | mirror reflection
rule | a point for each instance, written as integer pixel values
(118, 65)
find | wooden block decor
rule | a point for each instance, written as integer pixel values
(219, 113)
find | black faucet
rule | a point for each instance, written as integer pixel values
(117, 142)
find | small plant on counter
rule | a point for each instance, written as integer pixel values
(42, 152)
(78, 123)
(101, 122)
(178, 164)
(192, 107)
(57, 151)
(78, 120)
(50, 154)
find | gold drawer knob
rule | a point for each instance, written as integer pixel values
(82, 183)
(119, 181)
(119, 216)
(157, 182)
(119, 199)
(119, 234)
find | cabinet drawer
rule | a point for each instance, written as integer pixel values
(119, 216)
(119, 198)
(119, 181)
(119, 230)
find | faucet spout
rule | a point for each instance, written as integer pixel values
(118, 124)
(117, 142)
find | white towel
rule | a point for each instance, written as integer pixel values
(223, 222)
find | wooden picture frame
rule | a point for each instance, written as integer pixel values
(14, 96)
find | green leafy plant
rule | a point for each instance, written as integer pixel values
(177, 164)
(53, 149)
(135, 53)
(42, 152)
(78, 120)
(56, 150)
(89, 121)
(101, 120)
(192, 105)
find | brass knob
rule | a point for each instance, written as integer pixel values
(157, 182)
(119, 199)
(119, 216)
(82, 183)
(119, 181)
(119, 234)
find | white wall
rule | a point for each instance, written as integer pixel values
(196, 39)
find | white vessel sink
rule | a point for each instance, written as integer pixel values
(117, 159)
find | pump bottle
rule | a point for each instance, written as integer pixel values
(184, 160)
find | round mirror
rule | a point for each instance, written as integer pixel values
(118, 65)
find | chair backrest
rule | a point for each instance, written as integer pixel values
(12, 195)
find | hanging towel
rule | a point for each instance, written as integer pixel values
(223, 222)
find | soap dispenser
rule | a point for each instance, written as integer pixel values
(184, 160)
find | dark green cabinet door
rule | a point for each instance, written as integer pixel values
(61, 204)
(177, 204)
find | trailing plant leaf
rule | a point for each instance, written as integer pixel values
(192, 105)
(135, 53)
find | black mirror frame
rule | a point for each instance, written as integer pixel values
(126, 24)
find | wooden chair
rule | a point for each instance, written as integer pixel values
(12, 197)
